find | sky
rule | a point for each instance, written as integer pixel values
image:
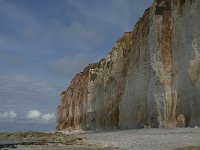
(44, 43)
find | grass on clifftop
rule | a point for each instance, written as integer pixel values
(189, 148)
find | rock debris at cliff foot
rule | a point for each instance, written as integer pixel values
(151, 77)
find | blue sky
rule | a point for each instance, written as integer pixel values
(44, 43)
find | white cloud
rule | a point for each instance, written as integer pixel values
(8, 115)
(39, 116)
(48, 117)
(34, 114)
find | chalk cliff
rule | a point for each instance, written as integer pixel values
(150, 78)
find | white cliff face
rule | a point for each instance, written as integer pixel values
(105, 87)
(186, 34)
(150, 78)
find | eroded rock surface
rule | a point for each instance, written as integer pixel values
(150, 78)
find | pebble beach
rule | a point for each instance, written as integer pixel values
(146, 139)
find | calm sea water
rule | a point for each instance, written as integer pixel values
(5, 142)
(20, 126)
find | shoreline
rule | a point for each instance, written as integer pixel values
(45, 141)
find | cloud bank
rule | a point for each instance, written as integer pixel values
(34, 114)
(37, 115)
(48, 116)
(8, 115)
(30, 115)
